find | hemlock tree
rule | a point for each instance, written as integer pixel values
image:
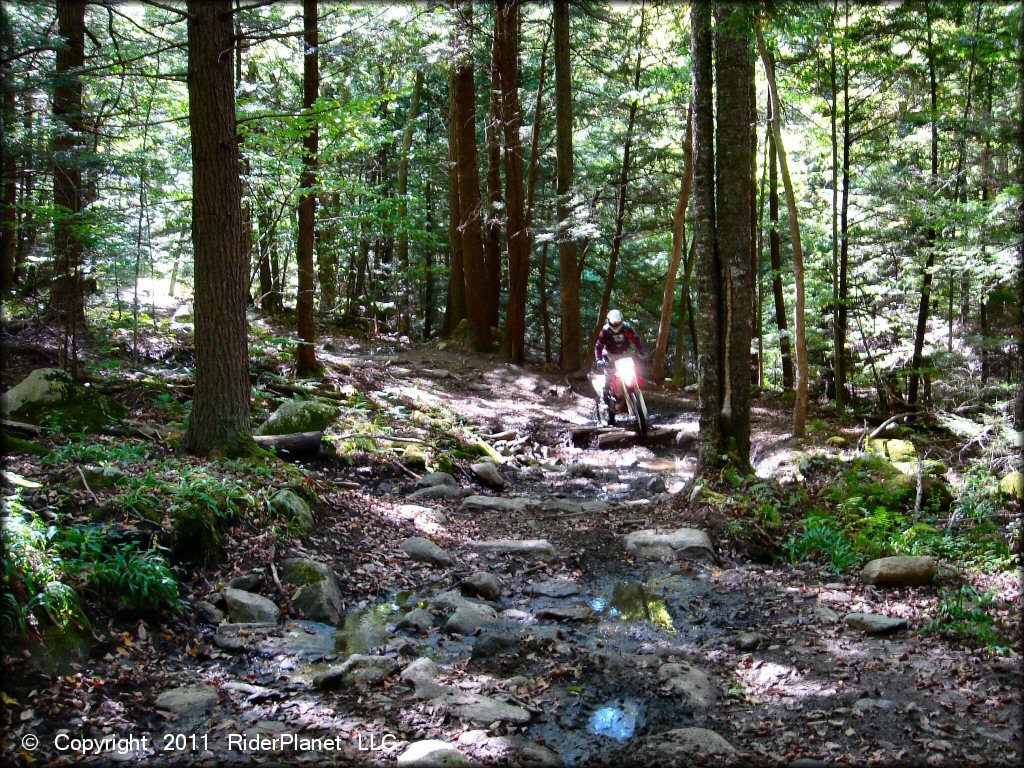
(722, 187)
(220, 411)
(306, 353)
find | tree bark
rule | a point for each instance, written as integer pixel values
(678, 244)
(9, 167)
(842, 322)
(800, 405)
(428, 256)
(507, 23)
(775, 255)
(305, 357)
(455, 310)
(220, 419)
(572, 341)
(67, 302)
(477, 309)
(495, 202)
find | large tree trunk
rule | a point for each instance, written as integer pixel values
(306, 354)
(9, 166)
(507, 23)
(800, 405)
(734, 188)
(495, 203)
(930, 233)
(678, 244)
(428, 262)
(219, 422)
(67, 300)
(842, 321)
(572, 340)
(477, 309)
(403, 202)
(775, 256)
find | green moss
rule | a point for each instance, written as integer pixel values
(14, 444)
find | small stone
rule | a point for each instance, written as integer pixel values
(300, 571)
(469, 618)
(420, 670)
(320, 601)
(425, 551)
(355, 667)
(492, 643)
(656, 484)
(679, 543)
(483, 585)
(825, 615)
(874, 623)
(188, 699)
(246, 608)
(293, 508)
(572, 613)
(417, 620)
(680, 744)
(208, 612)
(836, 441)
(248, 582)
(554, 588)
(432, 753)
(747, 641)
(436, 478)
(478, 708)
(439, 492)
(687, 683)
(299, 416)
(1012, 485)
(488, 474)
(497, 503)
(539, 549)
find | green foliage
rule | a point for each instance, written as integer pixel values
(822, 537)
(965, 614)
(102, 451)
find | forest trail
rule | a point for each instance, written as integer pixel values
(566, 648)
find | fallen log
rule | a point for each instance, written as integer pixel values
(20, 426)
(295, 444)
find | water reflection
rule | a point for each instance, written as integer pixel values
(635, 602)
(364, 630)
(616, 721)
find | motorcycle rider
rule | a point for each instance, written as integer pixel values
(613, 343)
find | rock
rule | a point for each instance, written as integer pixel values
(469, 618)
(492, 643)
(488, 474)
(687, 683)
(517, 616)
(422, 514)
(248, 582)
(356, 667)
(1012, 485)
(447, 602)
(680, 543)
(530, 754)
(746, 641)
(497, 503)
(41, 387)
(656, 484)
(572, 613)
(425, 551)
(415, 456)
(421, 671)
(570, 507)
(417, 620)
(679, 745)
(247, 608)
(539, 549)
(320, 601)
(936, 491)
(440, 491)
(836, 441)
(300, 571)
(436, 478)
(432, 753)
(293, 508)
(897, 451)
(241, 637)
(874, 623)
(188, 699)
(98, 477)
(478, 708)
(825, 615)
(208, 612)
(554, 588)
(299, 416)
(484, 585)
(903, 570)
(866, 706)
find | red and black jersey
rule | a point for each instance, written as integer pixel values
(617, 341)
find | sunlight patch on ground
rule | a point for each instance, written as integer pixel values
(762, 677)
(155, 291)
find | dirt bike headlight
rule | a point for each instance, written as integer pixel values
(626, 370)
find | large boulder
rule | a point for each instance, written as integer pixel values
(680, 543)
(299, 416)
(482, 584)
(300, 571)
(436, 478)
(320, 601)
(487, 473)
(478, 708)
(1012, 485)
(249, 608)
(469, 618)
(900, 571)
(439, 491)
(425, 551)
(497, 503)
(51, 396)
(44, 386)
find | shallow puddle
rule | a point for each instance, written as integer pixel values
(616, 720)
(634, 603)
(365, 629)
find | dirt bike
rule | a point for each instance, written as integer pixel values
(621, 393)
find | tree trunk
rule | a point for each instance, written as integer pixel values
(734, 188)
(9, 167)
(837, 341)
(305, 357)
(620, 207)
(507, 21)
(219, 422)
(678, 244)
(67, 301)
(800, 406)
(428, 265)
(775, 255)
(572, 341)
(542, 288)
(495, 203)
(403, 202)
(686, 322)
(930, 234)
(455, 311)
(842, 322)
(477, 309)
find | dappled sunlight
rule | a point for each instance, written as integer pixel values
(758, 678)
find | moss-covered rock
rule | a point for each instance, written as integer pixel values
(293, 508)
(836, 441)
(13, 444)
(936, 493)
(44, 385)
(196, 536)
(414, 456)
(300, 571)
(52, 397)
(299, 416)
(1012, 485)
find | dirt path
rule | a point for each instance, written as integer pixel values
(579, 652)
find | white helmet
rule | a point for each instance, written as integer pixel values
(615, 319)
